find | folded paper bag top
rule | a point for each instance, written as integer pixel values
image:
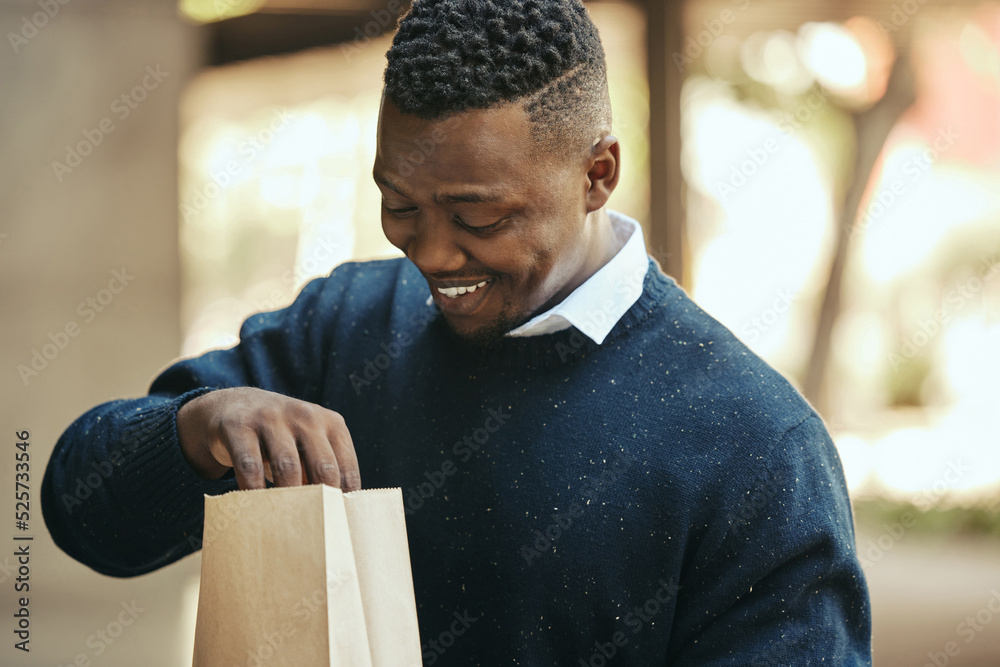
(306, 576)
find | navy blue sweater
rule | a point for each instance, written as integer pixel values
(665, 498)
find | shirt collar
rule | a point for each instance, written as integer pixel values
(596, 306)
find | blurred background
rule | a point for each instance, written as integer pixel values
(823, 177)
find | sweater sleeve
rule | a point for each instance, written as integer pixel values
(784, 585)
(118, 494)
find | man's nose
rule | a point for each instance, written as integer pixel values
(433, 247)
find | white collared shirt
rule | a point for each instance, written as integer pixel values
(596, 306)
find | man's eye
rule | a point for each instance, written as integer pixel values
(479, 230)
(399, 211)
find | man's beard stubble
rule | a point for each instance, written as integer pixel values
(491, 335)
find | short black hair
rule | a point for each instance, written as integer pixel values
(450, 56)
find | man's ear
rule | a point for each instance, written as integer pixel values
(603, 169)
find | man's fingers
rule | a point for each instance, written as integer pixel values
(244, 450)
(282, 456)
(343, 449)
(266, 436)
(319, 459)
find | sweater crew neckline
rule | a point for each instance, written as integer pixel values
(567, 345)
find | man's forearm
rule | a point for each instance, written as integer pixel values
(118, 494)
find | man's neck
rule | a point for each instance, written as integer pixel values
(609, 244)
(602, 245)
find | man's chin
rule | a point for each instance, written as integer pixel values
(482, 336)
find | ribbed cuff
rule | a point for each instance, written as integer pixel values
(154, 468)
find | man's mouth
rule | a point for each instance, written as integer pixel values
(457, 299)
(452, 292)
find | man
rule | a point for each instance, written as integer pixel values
(594, 469)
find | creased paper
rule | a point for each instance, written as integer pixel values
(306, 576)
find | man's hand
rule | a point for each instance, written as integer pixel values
(260, 433)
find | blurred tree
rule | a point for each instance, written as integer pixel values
(871, 128)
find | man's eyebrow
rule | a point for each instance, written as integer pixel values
(382, 180)
(468, 198)
(441, 200)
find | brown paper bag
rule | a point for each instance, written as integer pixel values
(306, 576)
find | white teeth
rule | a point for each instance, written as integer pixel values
(454, 292)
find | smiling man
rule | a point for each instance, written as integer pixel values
(500, 227)
(510, 202)
(594, 469)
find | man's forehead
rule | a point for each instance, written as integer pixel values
(479, 147)
(508, 124)
(464, 192)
